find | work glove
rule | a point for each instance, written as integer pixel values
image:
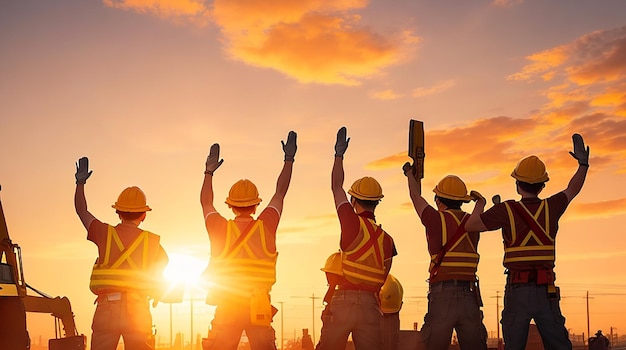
(212, 161)
(476, 196)
(408, 167)
(342, 142)
(580, 152)
(290, 147)
(82, 171)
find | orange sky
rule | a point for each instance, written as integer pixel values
(143, 88)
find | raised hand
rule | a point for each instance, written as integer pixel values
(580, 152)
(82, 171)
(213, 161)
(290, 147)
(342, 142)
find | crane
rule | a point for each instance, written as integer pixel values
(15, 302)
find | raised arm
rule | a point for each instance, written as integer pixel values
(337, 175)
(415, 187)
(474, 222)
(284, 178)
(80, 202)
(581, 154)
(213, 162)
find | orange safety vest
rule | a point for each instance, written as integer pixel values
(245, 264)
(532, 248)
(364, 260)
(462, 257)
(118, 271)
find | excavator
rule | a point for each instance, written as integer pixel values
(15, 302)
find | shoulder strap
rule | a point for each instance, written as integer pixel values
(451, 242)
(540, 232)
(243, 235)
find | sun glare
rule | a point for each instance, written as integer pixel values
(184, 269)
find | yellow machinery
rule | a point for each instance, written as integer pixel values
(15, 303)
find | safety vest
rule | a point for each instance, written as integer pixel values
(461, 259)
(530, 248)
(364, 260)
(119, 270)
(245, 264)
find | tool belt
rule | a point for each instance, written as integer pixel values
(531, 276)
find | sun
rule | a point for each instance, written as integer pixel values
(184, 269)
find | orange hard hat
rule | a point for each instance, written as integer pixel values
(530, 170)
(333, 264)
(243, 194)
(131, 200)
(391, 295)
(452, 187)
(366, 188)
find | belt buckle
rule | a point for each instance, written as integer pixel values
(117, 296)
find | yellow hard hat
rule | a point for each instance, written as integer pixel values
(452, 187)
(366, 188)
(131, 200)
(391, 295)
(243, 194)
(531, 170)
(333, 264)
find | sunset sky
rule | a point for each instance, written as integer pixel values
(144, 87)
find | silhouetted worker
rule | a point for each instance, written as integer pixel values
(529, 229)
(390, 295)
(128, 271)
(243, 257)
(367, 252)
(454, 299)
(599, 342)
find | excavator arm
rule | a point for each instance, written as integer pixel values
(58, 307)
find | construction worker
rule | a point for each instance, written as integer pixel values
(453, 295)
(242, 268)
(128, 271)
(390, 304)
(529, 229)
(367, 252)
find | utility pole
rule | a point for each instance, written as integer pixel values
(498, 312)
(313, 298)
(282, 324)
(588, 334)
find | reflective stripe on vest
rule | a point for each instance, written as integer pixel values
(462, 257)
(364, 263)
(532, 246)
(132, 276)
(245, 263)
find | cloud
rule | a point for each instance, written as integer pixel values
(506, 3)
(596, 57)
(435, 89)
(311, 41)
(598, 209)
(386, 95)
(190, 10)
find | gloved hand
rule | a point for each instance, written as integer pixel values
(580, 152)
(82, 171)
(476, 196)
(290, 147)
(408, 167)
(212, 161)
(342, 142)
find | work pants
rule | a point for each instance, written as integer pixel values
(391, 331)
(526, 301)
(122, 315)
(356, 312)
(453, 305)
(228, 324)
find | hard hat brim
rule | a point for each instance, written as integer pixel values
(130, 209)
